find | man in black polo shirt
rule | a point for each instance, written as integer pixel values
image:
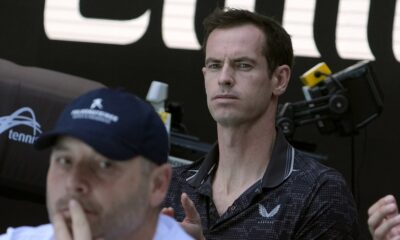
(254, 184)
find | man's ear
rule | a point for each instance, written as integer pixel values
(160, 179)
(280, 78)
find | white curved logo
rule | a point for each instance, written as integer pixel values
(264, 213)
(17, 119)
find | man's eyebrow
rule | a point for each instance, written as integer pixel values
(209, 60)
(241, 59)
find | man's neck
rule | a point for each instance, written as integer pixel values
(244, 154)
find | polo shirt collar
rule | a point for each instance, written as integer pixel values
(279, 168)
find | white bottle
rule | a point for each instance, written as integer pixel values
(157, 95)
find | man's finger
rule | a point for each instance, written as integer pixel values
(192, 221)
(80, 225)
(61, 231)
(191, 213)
(376, 218)
(386, 227)
(169, 211)
(381, 202)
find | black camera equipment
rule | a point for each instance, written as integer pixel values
(343, 102)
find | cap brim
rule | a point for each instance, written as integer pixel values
(104, 145)
(45, 140)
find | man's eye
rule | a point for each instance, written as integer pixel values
(213, 66)
(244, 66)
(106, 164)
(63, 161)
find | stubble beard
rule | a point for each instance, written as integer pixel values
(126, 217)
(123, 218)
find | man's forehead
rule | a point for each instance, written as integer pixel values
(234, 30)
(241, 38)
(75, 148)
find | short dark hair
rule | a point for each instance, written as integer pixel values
(278, 48)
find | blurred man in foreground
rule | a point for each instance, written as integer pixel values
(108, 172)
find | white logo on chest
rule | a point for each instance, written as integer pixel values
(264, 213)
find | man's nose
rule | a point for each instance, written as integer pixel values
(226, 77)
(78, 181)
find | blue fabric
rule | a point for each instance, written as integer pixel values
(167, 228)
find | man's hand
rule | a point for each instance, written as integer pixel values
(192, 222)
(384, 219)
(80, 226)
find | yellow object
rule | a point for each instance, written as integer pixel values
(315, 75)
(166, 118)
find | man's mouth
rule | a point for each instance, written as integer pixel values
(224, 96)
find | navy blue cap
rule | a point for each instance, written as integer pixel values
(115, 123)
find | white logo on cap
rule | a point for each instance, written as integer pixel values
(17, 119)
(97, 103)
(94, 114)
